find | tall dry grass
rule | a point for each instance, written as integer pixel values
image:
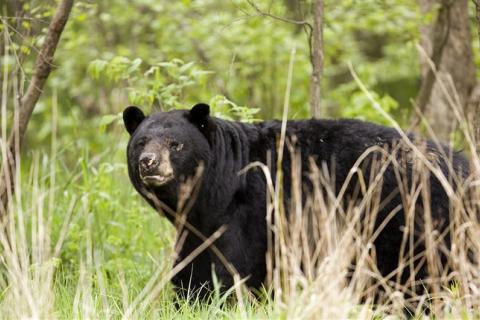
(322, 258)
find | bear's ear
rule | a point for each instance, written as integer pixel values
(199, 114)
(132, 117)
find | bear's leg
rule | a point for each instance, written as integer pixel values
(244, 253)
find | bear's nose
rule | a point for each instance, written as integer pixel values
(148, 161)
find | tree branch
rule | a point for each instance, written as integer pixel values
(315, 43)
(316, 58)
(268, 14)
(43, 67)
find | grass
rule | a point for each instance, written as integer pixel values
(87, 246)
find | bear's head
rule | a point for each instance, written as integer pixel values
(167, 147)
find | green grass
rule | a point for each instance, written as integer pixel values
(114, 244)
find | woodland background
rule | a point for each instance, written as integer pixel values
(87, 246)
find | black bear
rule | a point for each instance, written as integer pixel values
(166, 147)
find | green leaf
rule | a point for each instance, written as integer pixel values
(135, 64)
(107, 120)
(96, 67)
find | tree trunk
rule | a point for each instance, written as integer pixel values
(316, 58)
(447, 43)
(43, 67)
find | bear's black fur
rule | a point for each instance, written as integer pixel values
(225, 197)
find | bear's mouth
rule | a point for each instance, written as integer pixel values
(156, 180)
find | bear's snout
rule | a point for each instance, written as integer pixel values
(148, 161)
(155, 170)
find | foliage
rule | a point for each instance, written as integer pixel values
(160, 84)
(177, 53)
(173, 54)
(233, 52)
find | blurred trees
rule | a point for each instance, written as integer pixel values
(26, 101)
(170, 54)
(316, 58)
(448, 46)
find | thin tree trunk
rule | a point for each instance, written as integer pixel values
(447, 43)
(43, 67)
(316, 58)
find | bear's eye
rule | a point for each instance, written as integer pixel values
(142, 142)
(176, 146)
